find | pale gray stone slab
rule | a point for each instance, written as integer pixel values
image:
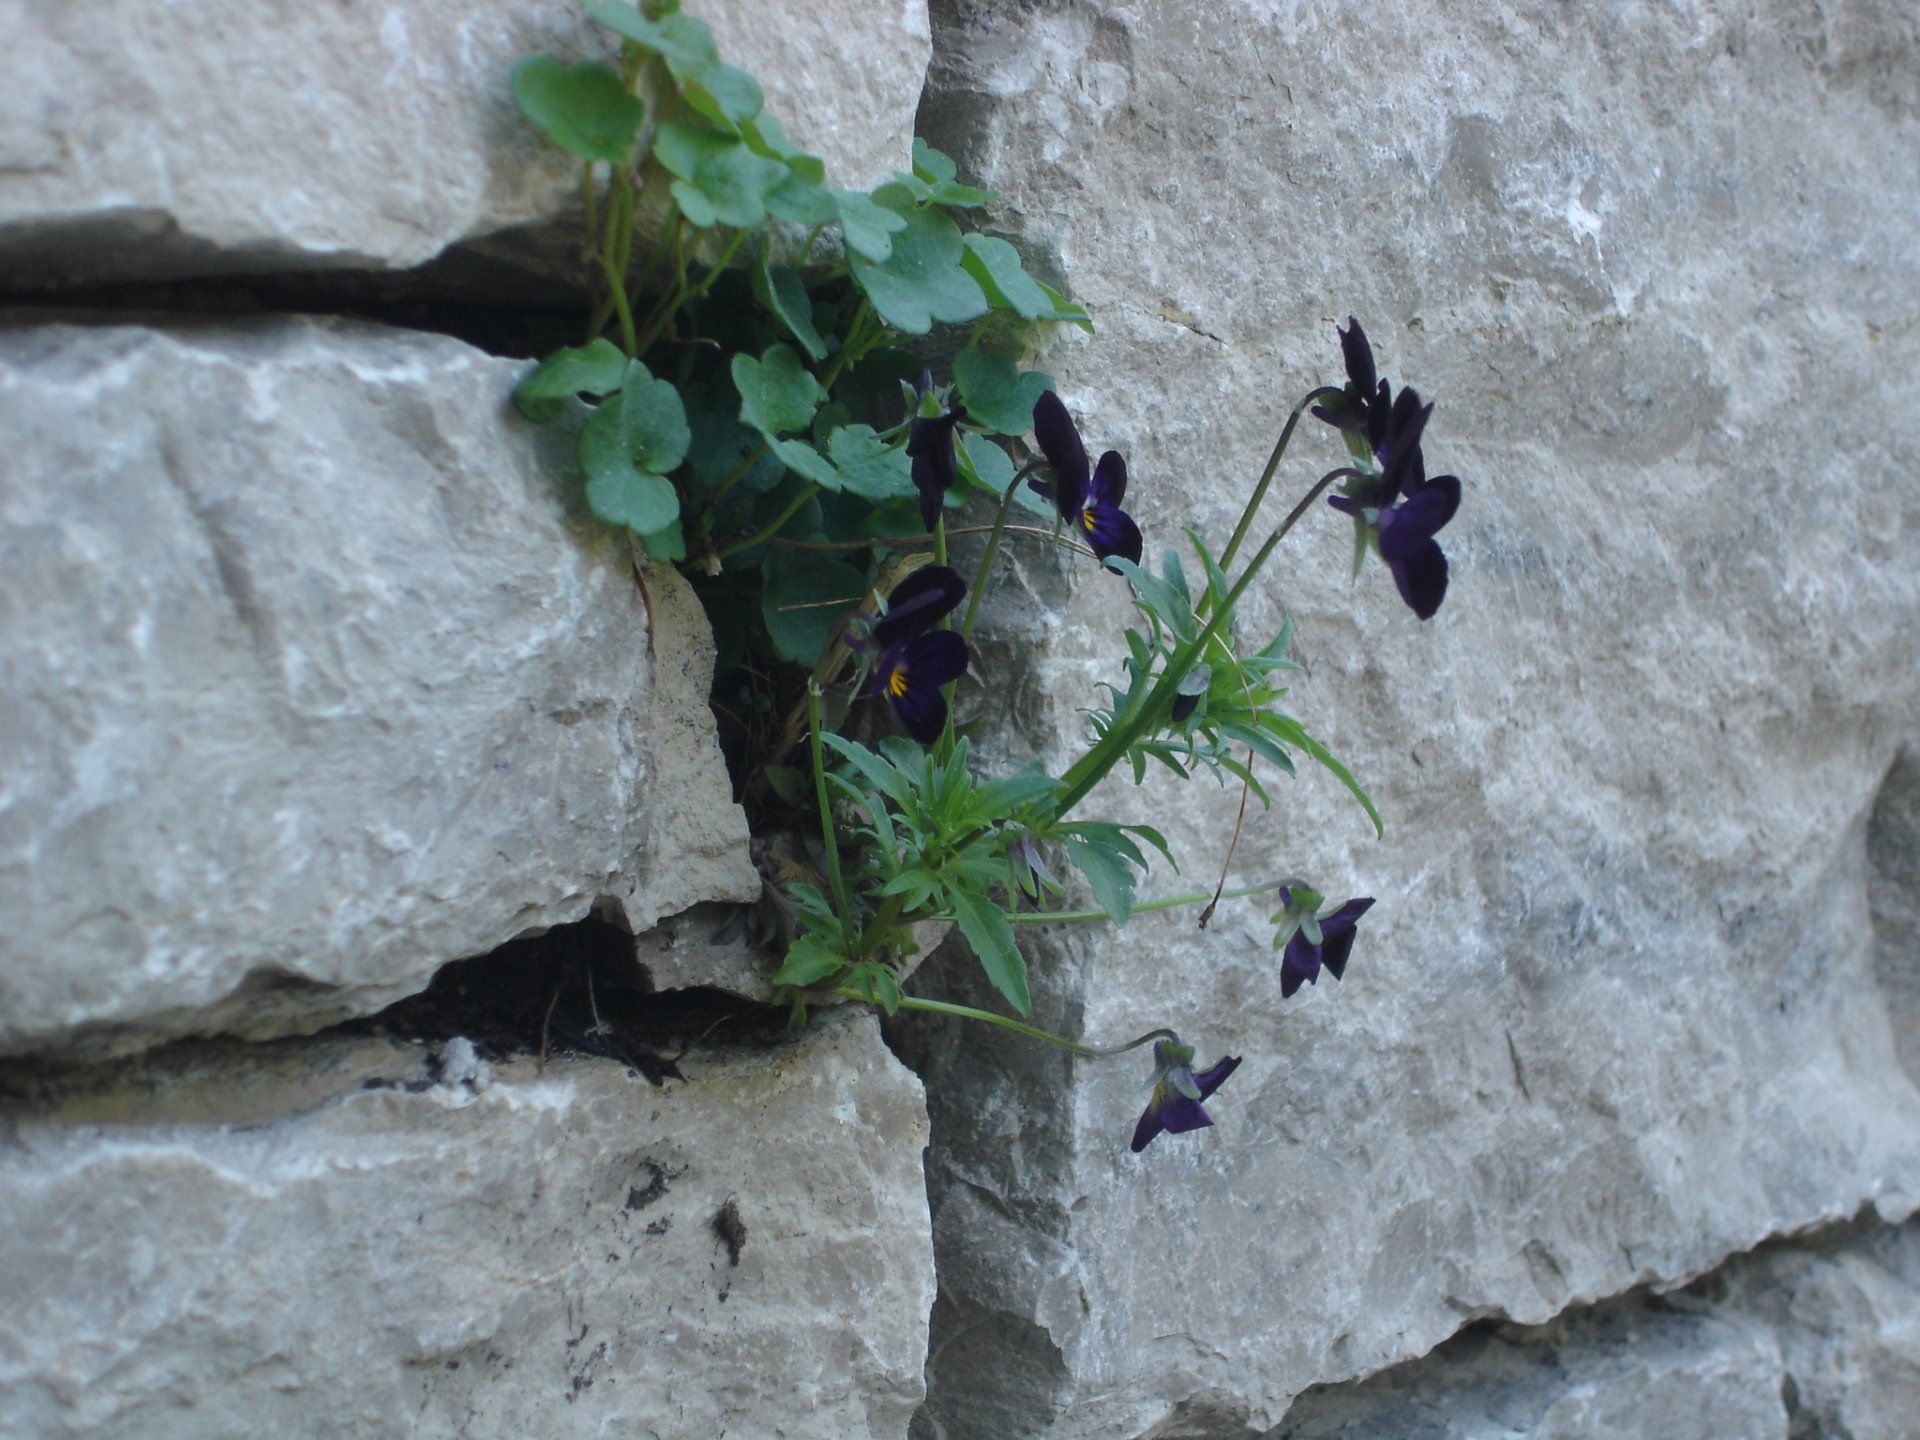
(313, 678)
(358, 1239)
(1619, 1011)
(145, 139)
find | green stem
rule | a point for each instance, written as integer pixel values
(844, 910)
(1072, 1047)
(800, 260)
(621, 308)
(1266, 479)
(740, 474)
(986, 561)
(761, 536)
(719, 266)
(849, 349)
(1092, 767)
(1170, 902)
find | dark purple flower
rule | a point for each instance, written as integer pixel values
(1314, 942)
(1360, 409)
(1090, 501)
(1398, 510)
(914, 660)
(930, 447)
(1177, 1092)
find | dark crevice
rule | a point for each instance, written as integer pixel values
(501, 309)
(574, 990)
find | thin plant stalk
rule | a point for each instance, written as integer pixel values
(832, 844)
(1020, 1027)
(1168, 902)
(1259, 495)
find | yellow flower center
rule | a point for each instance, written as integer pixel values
(897, 682)
(1086, 518)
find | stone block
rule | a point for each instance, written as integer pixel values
(140, 139)
(1618, 1012)
(315, 680)
(357, 1239)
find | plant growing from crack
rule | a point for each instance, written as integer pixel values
(754, 403)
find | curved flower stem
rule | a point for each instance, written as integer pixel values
(911, 542)
(1266, 479)
(739, 474)
(617, 290)
(1169, 902)
(1059, 1042)
(986, 561)
(1092, 767)
(832, 844)
(767, 532)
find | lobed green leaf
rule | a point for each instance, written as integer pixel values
(594, 369)
(583, 108)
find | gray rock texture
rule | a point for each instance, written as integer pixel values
(1620, 1011)
(145, 139)
(1814, 1339)
(355, 1239)
(310, 682)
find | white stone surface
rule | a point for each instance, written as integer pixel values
(310, 683)
(141, 138)
(1618, 1012)
(311, 1238)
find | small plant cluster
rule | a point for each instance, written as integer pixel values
(755, 401)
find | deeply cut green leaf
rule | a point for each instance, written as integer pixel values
(583, 108)
(987, 930)
(808, 963)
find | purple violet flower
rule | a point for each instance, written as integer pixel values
(930, 447)
(1314, 942)
(914, 660)
(1177, 1092)
(1089, 501)
(1396, 509)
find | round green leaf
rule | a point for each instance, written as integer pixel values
(868, 466)
(996, 265)
(808, 463)
(921, 280)
(805, 600)
(720, 180)
(667, 544)
(595, 369)
(583, 108)
(778, 394)
(868, 228)
(685, 43)
(617, 492)
(784, 294)
(996, 393)
(653, 422)
(725, 95)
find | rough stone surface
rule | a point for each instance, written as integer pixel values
(359, 1239)
(146, 139)
(313, 683)
(1619, 1011)
(1813, 1339)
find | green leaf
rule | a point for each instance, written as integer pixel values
(883, 775)
(1108, 875)
(653, 421)
(1070, 311)
(868, 228)
(685, 43)
(595, 369)
(987, 930)
(808, 962)
(805, 600)
(996, 265)
(583, 108)
(1296, 734)
(783, 293)
(922, 280)
(808, 463)
(778, 394)
(933, 179)
(721, 444)
(667, 544)
(868, 466)
(724, 94)
(721, 180)
(617, 492)
(997, 393)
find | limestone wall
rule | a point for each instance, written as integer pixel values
(314, 680)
